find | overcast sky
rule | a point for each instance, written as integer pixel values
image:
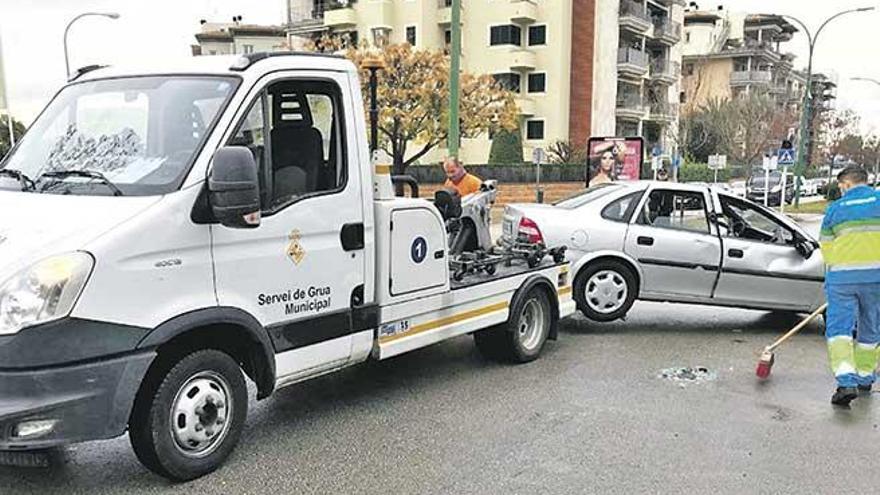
(31, 32)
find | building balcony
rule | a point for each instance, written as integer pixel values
(342, 17)
(444, 13)
(307, 19)
(630, 107)
(662, 112)
(750, 77)
(520, 59)
(632, 62)
(665, 72)
(632, 16)
(525, 105)
(667, 32)
(523, 11)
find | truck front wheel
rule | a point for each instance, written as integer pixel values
(522, 338)
(188, 416)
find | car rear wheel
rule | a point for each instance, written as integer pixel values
(605, 290)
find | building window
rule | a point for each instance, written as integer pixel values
(537, 82)
(247, 48)
(688, 69)
(411, 35)
(535, 129)
(537, 35)
(509, 81)
(505, 35)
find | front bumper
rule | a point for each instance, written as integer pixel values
(89, 401)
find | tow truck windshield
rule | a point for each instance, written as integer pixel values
(133, 136)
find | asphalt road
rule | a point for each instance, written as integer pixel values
(591, 416)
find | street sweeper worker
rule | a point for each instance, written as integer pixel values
(850, 241)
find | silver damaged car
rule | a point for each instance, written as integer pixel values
(673, 242)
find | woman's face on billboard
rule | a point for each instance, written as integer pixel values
(607, 163)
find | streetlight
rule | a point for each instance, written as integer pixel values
(110, 15)
(808, 94)
(877, 164)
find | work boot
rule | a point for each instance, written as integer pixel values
(844, 396)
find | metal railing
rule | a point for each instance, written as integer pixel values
(628, 8)
(630, 101)
(664, 109)
(751, 76)
(305, 15)
(660, 67)
(632, 56)
(667, 29)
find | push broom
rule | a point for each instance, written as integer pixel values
(765, 364)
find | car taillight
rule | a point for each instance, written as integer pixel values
(529, 231)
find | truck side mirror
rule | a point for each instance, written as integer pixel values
(234, 189)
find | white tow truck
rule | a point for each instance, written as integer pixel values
(168, 230)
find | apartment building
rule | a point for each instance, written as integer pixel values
(727, 54)
(637, 83)
(217, 38)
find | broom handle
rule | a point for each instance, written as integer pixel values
(806, 321)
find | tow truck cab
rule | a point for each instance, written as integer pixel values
(176, 225)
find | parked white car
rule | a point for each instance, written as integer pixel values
(675, 242)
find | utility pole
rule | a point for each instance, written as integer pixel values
(453, 139)
(808, 94)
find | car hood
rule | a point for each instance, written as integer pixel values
(34, 226)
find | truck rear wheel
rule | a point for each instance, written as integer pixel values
(188, 417)
(522, 338)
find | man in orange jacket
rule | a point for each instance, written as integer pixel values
(459, 179)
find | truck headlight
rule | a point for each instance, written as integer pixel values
(776, 189)
(43, 292)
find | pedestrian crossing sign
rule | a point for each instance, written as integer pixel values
(785, 156)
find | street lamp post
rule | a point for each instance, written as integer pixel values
(109, 15)
(877, 146)
(808, 94)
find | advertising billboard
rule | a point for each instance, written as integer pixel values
(614, 159)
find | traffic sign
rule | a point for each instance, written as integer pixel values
(771, 163)
(785, 156)
(656, 163)
(538, 156)
(717, 162)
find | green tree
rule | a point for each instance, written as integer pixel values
(18, 129)
(507, 147)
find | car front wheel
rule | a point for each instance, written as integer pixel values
(605, 290)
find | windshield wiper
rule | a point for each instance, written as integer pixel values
(26, 183)
(87, 174)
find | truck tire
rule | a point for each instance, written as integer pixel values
(522, 338)
(189, 414)
(605, 291)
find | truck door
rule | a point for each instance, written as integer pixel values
(675, 245)
(301, 271)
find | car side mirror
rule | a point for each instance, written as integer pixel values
(234, 188)
(805, 248)
(719, 220)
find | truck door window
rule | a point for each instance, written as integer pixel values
(747, 221)
(304, 156)
(679, 210)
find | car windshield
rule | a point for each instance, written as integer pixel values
(586, 196)
(137, 134)
(759, 179)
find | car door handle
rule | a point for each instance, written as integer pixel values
(352, 236)
(438, 255)
(645, 241)
(736, 253)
